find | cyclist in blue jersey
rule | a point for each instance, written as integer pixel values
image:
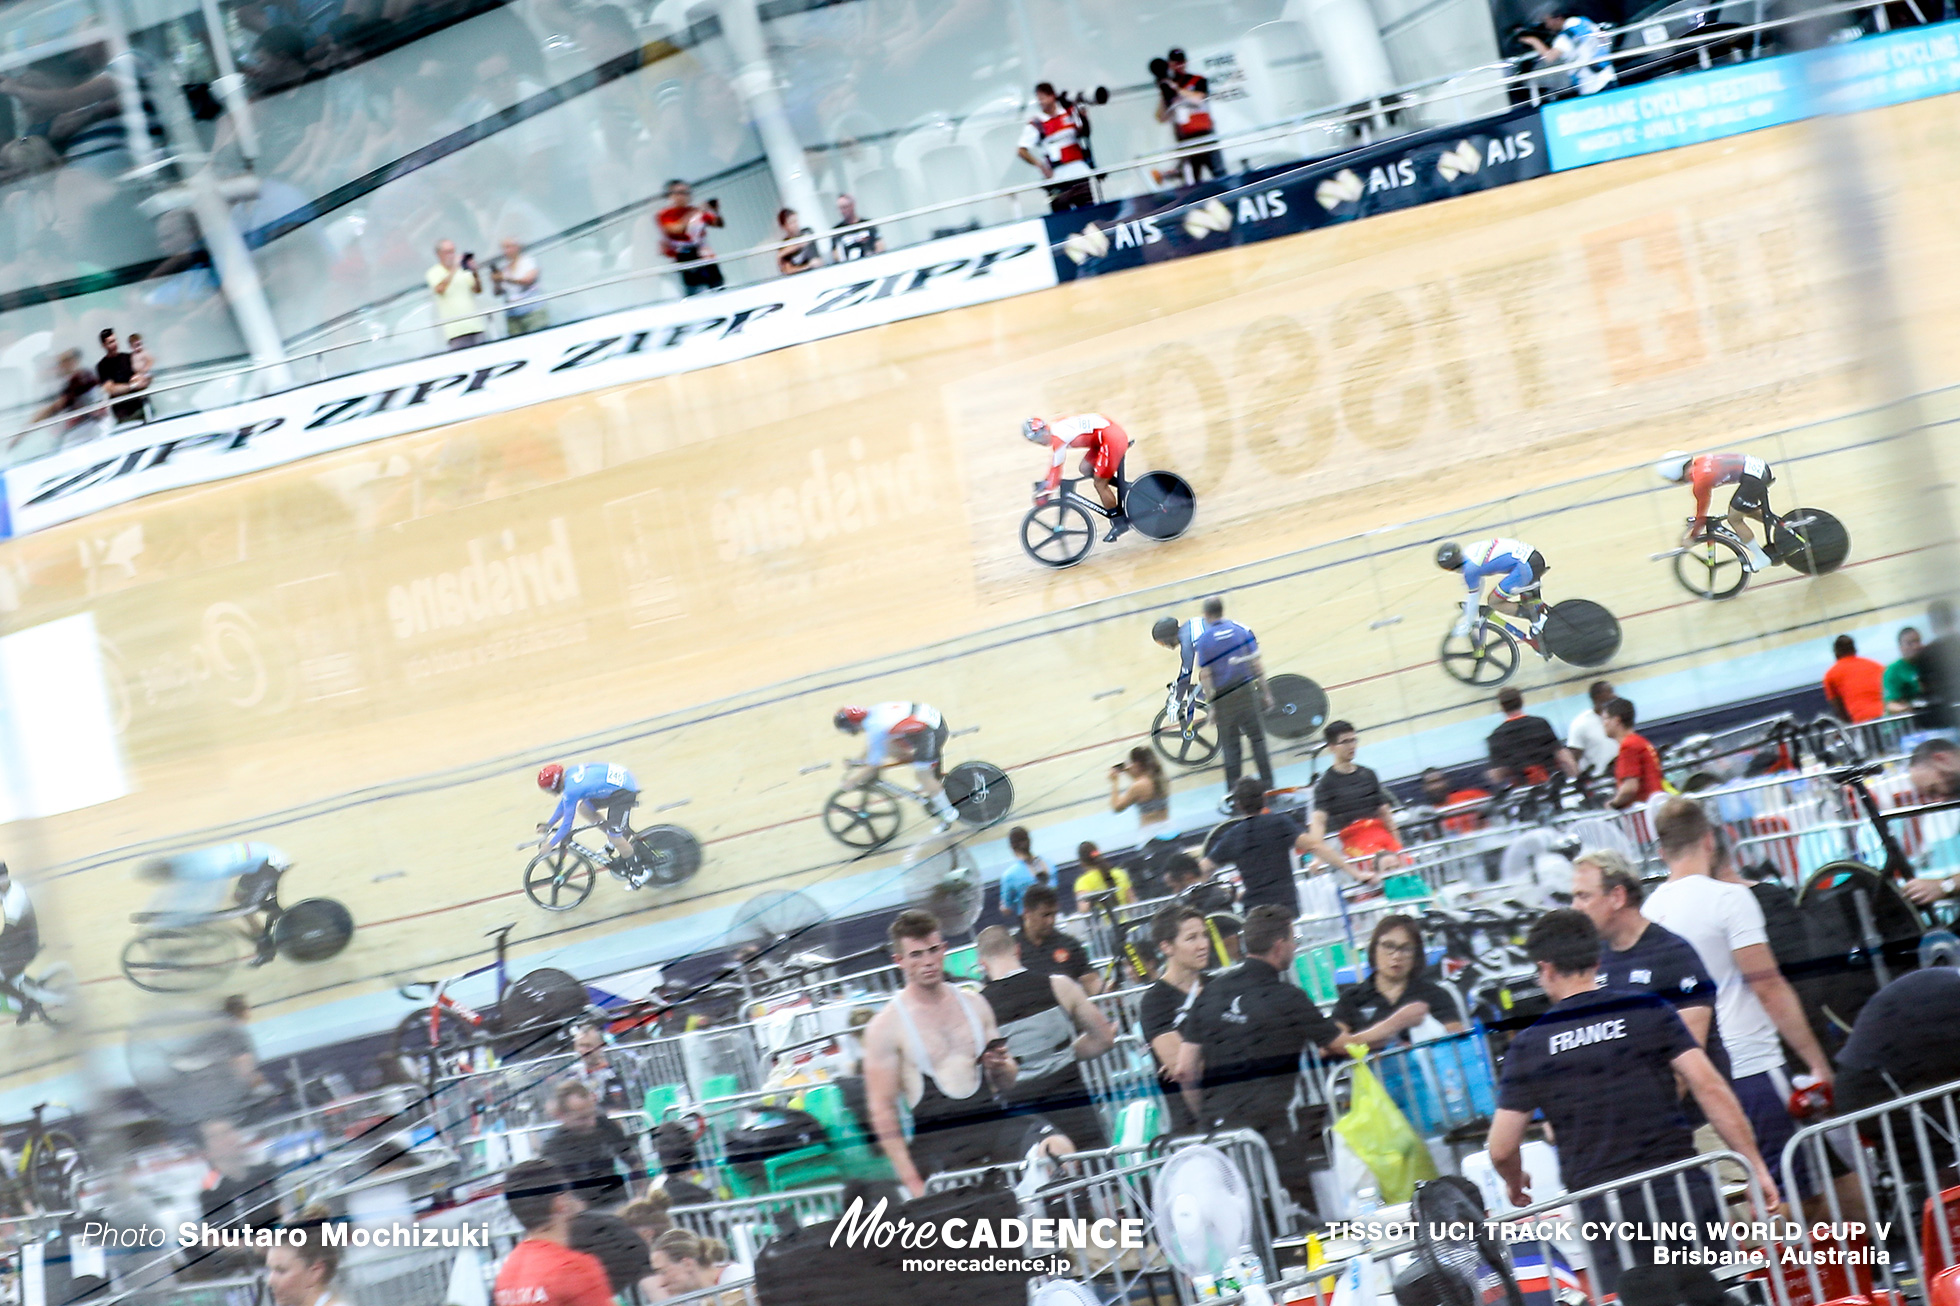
(196, 877)
(1519, 569)
(599, 792)
(1182, 636)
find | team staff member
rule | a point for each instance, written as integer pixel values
(1587, 737)
(1525, 749)
(1056, 141)
(1637, 768)
(1750, 476)
(1184, 945)
(1395, 998)
(1051, 1028)
(543, 1270)
(1901, 682)
(1638, 954)
(1601, 1066)
(1261, 844)
(1753, 1002)
(1242, 1043)
(1854, 686)
(1350, 800)
(1235, 686)
(1046, 950)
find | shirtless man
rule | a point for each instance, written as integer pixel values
(935, 1043)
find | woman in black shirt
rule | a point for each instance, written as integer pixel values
(1395, 997)
(1185, 946)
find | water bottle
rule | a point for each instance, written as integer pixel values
(1251, 1269)
(1367, 1200)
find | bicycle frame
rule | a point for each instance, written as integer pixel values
(1067, 493)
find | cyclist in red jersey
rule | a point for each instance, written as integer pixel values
(1751, 477)
(1104, 445)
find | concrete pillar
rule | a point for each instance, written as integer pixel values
(756, 82)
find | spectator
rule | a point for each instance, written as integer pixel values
(1046, 950)
(616, 1246)
(588, 1146)
(1602, 1066)
(1753, 1002)
(455, 283)
(118, 376)
(1261, 844)
(1396, 1002)
(1140, 782)
(1229, 928)
(936, 1035)
(1935, 770)
(1889, 1053)
(139, 357)
(80, 396)
(1587, 737)
(1854, 686)
(1350, 800)
(847, 246)
(1638, 954)
(1637, 769)
(1055, 140)
(543, 1269)
(801, 256)
(681, 1181)
(1440, 793)
(684, 238)
(515, 277)
(1525, 749)
(1185, 103)
(1094, 875)
(1181, 872)
(685, 1262)
(299, 1271)
(1184, 950)
(1026, 872)
(238, 1192)
(1901, 684)
(1051, 1028)
(647, 1216)
(1228, 660)
(1243, 1039)
(1577, 43)
(595, 1070)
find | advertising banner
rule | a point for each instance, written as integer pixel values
(1663, 115)
(635, 345)
(1261, 205)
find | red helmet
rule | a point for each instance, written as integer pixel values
(849, 718)
(552, 778)
(1035, 430)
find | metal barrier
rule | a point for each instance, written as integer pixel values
(744, 1226)
(1443, 1086)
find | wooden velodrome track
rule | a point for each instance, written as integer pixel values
(713, 562)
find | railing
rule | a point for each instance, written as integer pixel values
(1446, 96)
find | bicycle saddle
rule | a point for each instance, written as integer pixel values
(417, 989)
(1857, 771)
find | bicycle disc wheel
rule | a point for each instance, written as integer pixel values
(1192, 745)
(1812, 541)
(862, 818)
(559, 879)
(671, 854)
(179, 960)
(53, 1170)
(1160, 505)
(1491, 663)
(1057, 534)
(980, 792)
(1711, 568)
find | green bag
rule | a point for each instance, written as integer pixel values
(1381, 1137)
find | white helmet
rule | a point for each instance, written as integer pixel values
(1035, 430)
(1673, 467)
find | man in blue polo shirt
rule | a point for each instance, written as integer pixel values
(1601, 1066)
(1235, 686)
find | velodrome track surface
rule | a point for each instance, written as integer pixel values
(718, 559)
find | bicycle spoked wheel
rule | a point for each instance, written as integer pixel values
(862, 818)
(453, 1041)
(559, 879)
(180, 960)
(1187, 745)
(1711, 568)
(1491, 662)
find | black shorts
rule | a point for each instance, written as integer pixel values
(704, 277)
(930, 745)
(1751, 494)
(617, 809)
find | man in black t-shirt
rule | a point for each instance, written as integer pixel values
(1902, 1041)
(1051, 1028)
(1242, 1043)
(1638, 954)
(1525, 750)
(1349, 800)
(852, 245)
(117, 373)
(1601, 1066)
(1046, 950)
(1261, 844)
(588, 1146)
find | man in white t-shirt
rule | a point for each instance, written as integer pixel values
(516, 280)
(1587, 737)
(1753, 1002)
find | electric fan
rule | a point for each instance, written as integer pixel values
(1064, 1292)
(946, 883)
(1204, 1210)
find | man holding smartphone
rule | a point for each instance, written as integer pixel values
(684, 238)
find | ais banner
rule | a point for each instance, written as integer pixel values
(1255, 206)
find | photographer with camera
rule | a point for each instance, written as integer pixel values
(1056, 140)
(1578, 47)
(1185, 103)
(456, 285)
(684, 237)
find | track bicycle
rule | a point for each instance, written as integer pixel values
(1060, 529)
(1715, 563)
(1183, 731)
(1577, 631)
(869, 815)
(182, 951)
(41, 1177)
(451, 1037)
(48, 997)
(561, 878)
